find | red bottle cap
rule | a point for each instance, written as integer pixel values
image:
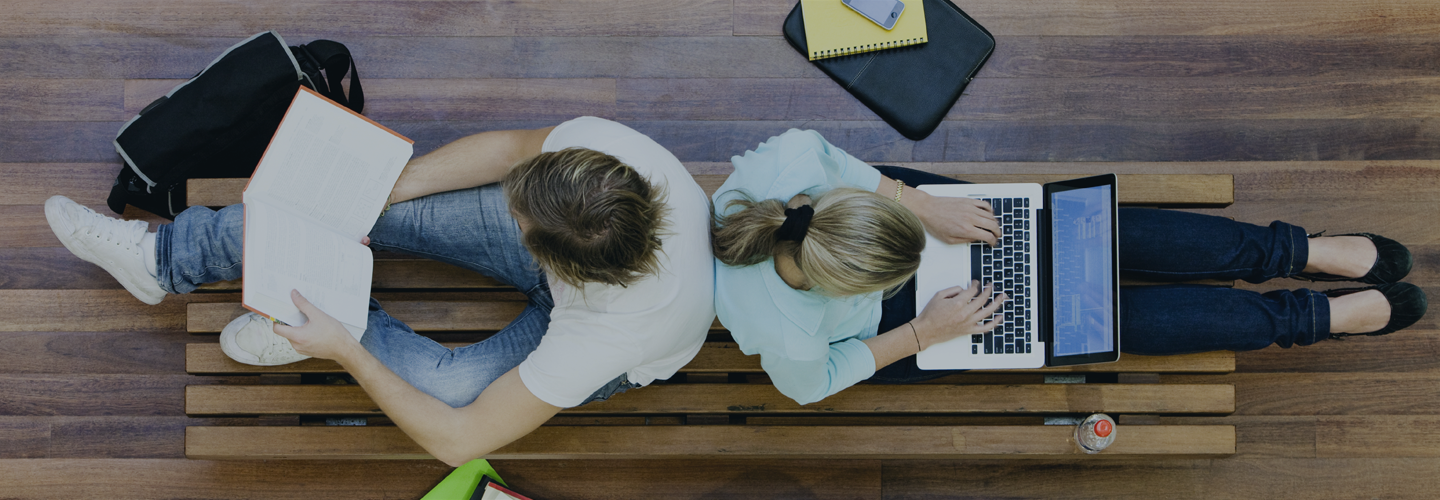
(1103, 428)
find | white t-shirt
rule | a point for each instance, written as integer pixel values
(651, 328)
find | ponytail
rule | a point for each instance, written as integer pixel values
(859, 242)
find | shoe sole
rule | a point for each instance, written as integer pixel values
(233, 350)
(54, 213)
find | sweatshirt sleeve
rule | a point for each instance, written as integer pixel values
(808, 381)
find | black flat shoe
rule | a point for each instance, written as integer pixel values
(1392, 262)
(1407, 306)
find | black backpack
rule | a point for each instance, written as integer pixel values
(219, 123)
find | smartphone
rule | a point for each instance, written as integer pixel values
(883, 12)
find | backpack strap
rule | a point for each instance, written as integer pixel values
(335, 58)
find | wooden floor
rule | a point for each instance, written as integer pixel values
(1326, 111)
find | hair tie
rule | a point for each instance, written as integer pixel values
(797, 223)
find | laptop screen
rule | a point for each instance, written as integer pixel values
(1084, 287)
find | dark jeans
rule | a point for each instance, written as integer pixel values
(1169, 245)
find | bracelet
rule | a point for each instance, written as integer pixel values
(917, 336)
(899, 190)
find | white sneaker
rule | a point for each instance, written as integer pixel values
(110, 243)
(250, 339)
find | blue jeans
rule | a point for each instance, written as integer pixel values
(469, 228)
(1169, 245)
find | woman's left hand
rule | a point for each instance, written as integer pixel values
(955, 220)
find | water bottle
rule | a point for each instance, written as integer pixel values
(1095, 433)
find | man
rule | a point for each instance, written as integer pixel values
(602, 228)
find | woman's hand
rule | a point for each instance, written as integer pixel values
(956, 220)
(322, 336)
(955, 312)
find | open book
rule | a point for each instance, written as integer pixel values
(318, 190)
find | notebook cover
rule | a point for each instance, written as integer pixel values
(911, 88)
(832, 29)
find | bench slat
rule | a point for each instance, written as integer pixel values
(718, 441)
(725, 357)
(1175, 190)
(756, 399)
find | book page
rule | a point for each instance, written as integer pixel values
(284, 252)
(330, 165)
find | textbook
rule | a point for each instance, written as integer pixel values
(832, 29)
(319, 188)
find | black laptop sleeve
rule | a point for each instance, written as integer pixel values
(911, 88)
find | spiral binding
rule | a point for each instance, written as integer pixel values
(843, 51)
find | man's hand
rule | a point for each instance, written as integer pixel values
(956, 220)
(321, 337)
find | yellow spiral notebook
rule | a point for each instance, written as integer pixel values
(832, 29)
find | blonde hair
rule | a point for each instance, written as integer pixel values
(858, 242)
(591, 218)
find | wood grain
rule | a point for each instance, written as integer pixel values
(146, 352)
(718, 441)
(432, 18)
(1346, 393)
(1062, 140)
(1073, 57)
(459, 99)
(216, 400)
(1137, 17)
(1197, 98)
(147, 479)
(35, 99)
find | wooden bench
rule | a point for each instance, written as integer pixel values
(721, 404)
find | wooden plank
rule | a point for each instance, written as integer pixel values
(1200, 140)
(1138, 17)
(33, 183)
(1216, 190)
(556, 99)
(1378, 436)
(1128, 55)
(1409, 351)
(672, 442)
(1174, 139)
(746, 399)
(148, 479)
(1200, 98)
(432, 18)
(97, 395)
(720, 357)
(420, 315)
(98, 353)
(1346, 393)
(24, 437)
(58, 142)
(1171, 479)
(35, 99)
(399, 274)
(87, 310)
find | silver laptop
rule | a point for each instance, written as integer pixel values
(1057, 260)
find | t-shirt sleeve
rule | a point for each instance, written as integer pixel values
(851, 170)
(575, 360)
(808, 381)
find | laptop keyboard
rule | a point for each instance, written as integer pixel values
(1007, 265)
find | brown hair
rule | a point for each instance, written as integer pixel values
(859, 242)
(590, 217)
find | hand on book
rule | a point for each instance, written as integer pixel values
(322, 336)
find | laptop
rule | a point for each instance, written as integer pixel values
(1057, 260)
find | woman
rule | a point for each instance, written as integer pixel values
(817, 251)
